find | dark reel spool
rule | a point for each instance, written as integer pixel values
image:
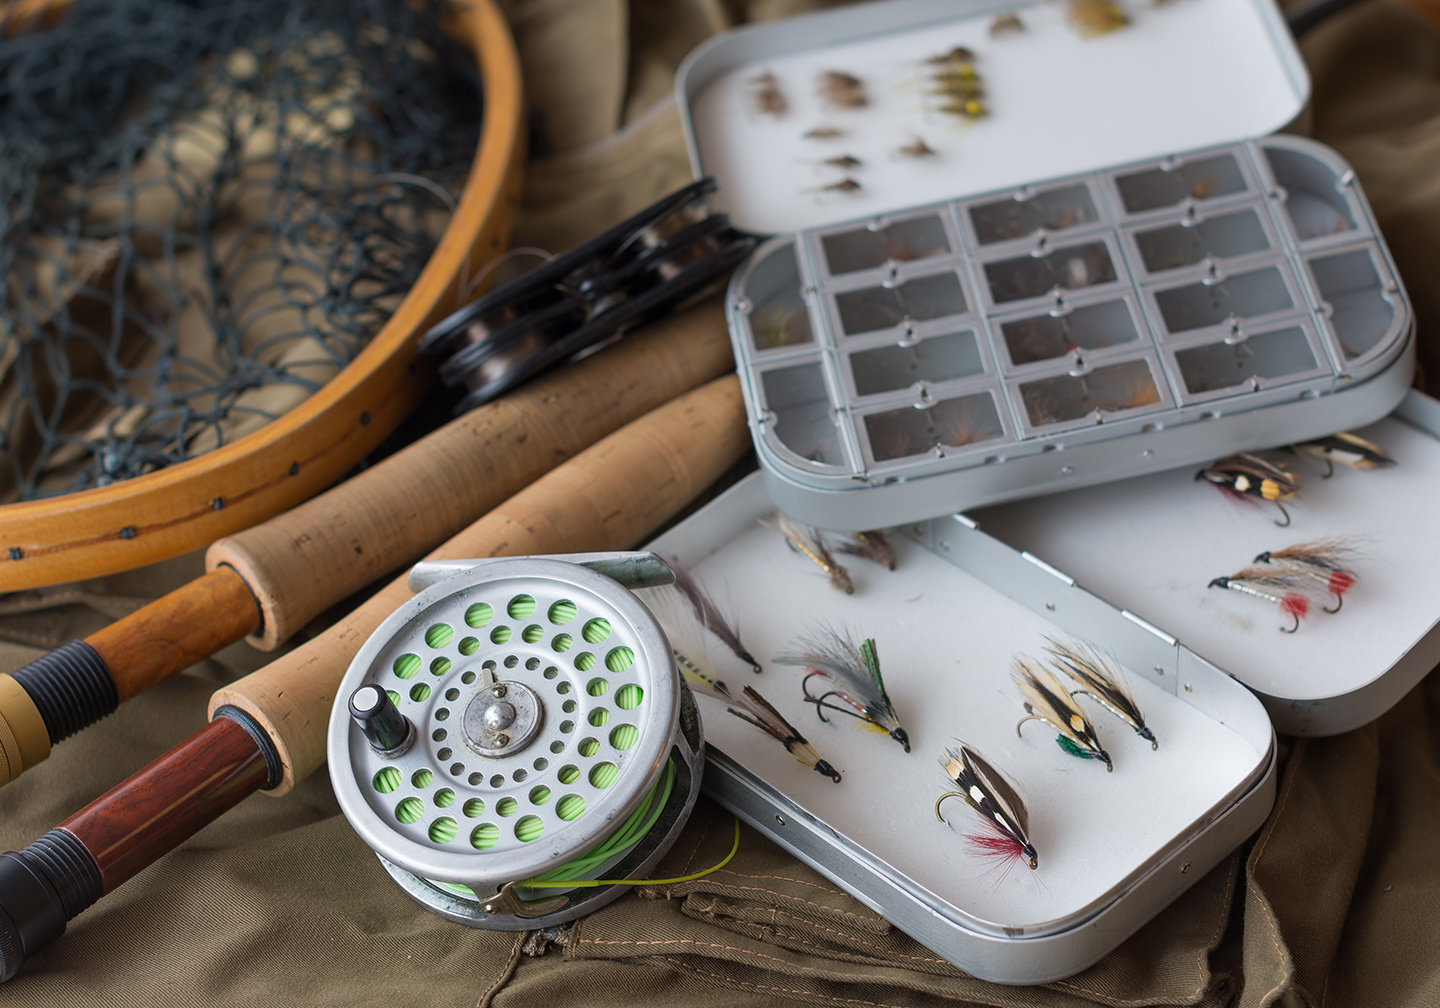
(636, 271)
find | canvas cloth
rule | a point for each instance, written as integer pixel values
(278, 902)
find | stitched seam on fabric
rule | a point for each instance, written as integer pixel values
(802, 993)
(858, 941)
(730, 948)
(506, 971)
(796, 899)
(1295, 757)
(815, 945)
(782, 878)
(670, 889)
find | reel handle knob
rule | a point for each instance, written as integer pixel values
(389, 732)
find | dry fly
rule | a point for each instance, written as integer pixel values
(871, 546)
(844, 161)
(853, 675)
(842, 90)
(916, 149)
(1324, 562)
(766, 96)
(1347, 449)
(1282, 588)
(996, 799)
(689, 648)
(810, 543)
(823, 132)
(1006, 23)
(1047, 701)
(707, 613)
(1249, 478)
(1102, 681)
(845, 185)
(1096, 17)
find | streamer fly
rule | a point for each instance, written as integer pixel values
(853, 675)
(1102, 681)
(996, 799)
(1046, 700)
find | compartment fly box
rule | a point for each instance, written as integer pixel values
(1101, 265)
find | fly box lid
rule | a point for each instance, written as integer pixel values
(1182, 293)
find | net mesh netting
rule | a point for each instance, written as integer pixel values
(206, 208)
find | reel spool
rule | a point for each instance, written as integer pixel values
(632, 273)
(529, 721)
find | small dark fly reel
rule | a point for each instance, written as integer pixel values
(519, 722)
(638, 270)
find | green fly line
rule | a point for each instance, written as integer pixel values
(630, 833)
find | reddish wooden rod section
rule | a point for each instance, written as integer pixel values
(170, 800)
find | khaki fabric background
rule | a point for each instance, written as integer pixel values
(1333, 903)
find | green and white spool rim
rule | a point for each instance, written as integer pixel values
(607, 761)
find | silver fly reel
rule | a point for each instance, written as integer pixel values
(508, 721)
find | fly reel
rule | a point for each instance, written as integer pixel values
(638, 270)
(519, 722)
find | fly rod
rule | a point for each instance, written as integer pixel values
(270, 580)
(269, 729)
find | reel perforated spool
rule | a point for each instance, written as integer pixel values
(547, 710)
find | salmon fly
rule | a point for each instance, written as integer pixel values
(853, 675)
(1096, 17)
(707, 613)
(689, 650)
(1282, 588)
(842, 90)
(811, 544)
(1102, 682)
(996, 799)
(1347, 449)
(1046, 700)
(916, 149)
(1324, 563)
(766, 96)
(1250, 478)
(871, 546)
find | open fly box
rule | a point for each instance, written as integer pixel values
(1099, 266)
(1113, 848)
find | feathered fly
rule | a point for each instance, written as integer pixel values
(811, 544)
(1102, 681)
(1324, 562)
(853, 674)
(996, 799)
(1047, 701)
(1347, 449)
(688, 646)
(1250, 478)
(707, 613)
(1288, 591)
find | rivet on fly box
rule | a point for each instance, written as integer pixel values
(515, 743)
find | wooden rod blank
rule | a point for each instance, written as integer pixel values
(154, 810)
(176, 630)
(609, 497)
(301, 562)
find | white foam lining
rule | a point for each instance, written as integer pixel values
(1184, 75)
(946, 642)
(1154, 543)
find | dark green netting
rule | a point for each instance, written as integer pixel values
(206, 208)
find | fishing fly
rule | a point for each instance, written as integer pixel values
(1347, 449)
(1096, 17)
(916, 149)
(823, 132)
(1250, 478)
(842, 90)
(766, 96)
(1046, 700)
(1006, 23)
(684, 628)
(872, 546)
(707, 613)
(811, 544)
(1102, 681)
(956, 82)
(853, 675)
(1324, 562)
(1282, 588)
(996, 799)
